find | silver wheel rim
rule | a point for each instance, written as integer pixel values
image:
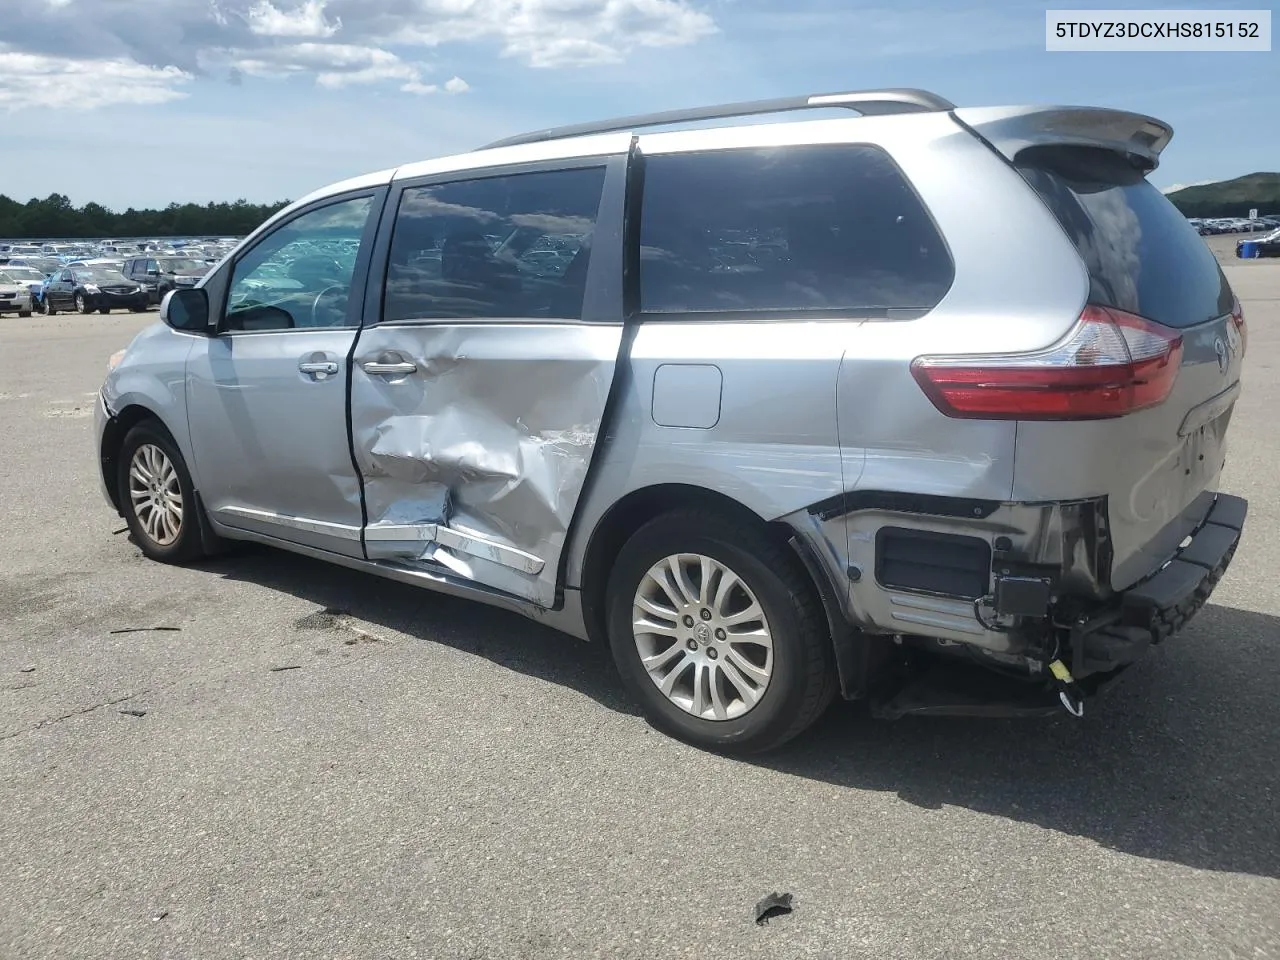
(702, 637)
(156, 494)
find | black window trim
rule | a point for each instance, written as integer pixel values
(602, 305)
(836, 314)
(359, 276)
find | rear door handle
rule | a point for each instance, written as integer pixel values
(319, 366)
(373, 366)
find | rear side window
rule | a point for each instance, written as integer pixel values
(784, 229)
(1141, 253)
(514, 246)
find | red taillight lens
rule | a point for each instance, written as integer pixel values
(1110, 364)
(1237, 317)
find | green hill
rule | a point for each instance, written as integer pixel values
(1231, 198)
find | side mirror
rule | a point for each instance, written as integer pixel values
(186, 309)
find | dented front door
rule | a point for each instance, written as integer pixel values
(478, 396)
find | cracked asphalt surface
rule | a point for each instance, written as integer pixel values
(319, 763)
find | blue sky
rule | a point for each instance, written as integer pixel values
(143, 102)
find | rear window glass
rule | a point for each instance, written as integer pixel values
(1141, 253)
(797, 228)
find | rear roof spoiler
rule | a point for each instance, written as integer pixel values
(1013, 129)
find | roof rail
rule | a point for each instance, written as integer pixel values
(865, 102)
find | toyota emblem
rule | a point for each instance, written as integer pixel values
(1220, 348)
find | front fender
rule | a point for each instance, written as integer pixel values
(152, 379)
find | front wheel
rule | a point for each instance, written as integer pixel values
(49, 309)
(157, 497)
(24, 313)
(82, 304)
(718, 632)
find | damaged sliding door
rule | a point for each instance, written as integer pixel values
(478, 395)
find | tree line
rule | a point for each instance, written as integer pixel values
(56, 217)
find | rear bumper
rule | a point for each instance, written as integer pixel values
(1154, 609)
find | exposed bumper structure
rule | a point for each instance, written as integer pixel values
(1155, 608)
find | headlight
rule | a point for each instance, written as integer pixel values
(90, 288)
(114, 360)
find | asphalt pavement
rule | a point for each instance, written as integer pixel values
(264, 756)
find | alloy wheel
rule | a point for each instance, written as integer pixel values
(156, 494)
(702, 636)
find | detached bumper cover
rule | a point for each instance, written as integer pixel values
(1156, 608)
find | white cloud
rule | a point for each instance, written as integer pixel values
(96, 52)
(419, 88)
(29, 80)
(555, 33)
(1182, 186)
(305, 20)
(335, 65)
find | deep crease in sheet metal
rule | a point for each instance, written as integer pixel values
(493, 444)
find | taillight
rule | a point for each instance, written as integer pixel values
(1237, 317)
(1110, 364)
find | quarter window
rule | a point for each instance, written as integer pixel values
(785, 229)
(300, 274)
(514, 246)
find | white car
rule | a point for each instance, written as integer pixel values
(15, 295)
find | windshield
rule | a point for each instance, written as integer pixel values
(172, 265)
(22, 275)
(98, 275)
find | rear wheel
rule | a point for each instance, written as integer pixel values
(156, 495)
(82, 304)
(24, 313)
(718, 632)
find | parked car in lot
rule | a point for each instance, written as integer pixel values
(785, 416)
(15, 293)
(86, 289)
(30, 276)
(1264, 246)
(159, 275)
(46, 265)
(104, 263)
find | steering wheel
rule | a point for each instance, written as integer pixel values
(315, 306)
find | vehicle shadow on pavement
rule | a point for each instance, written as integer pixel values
(499, 636)
(1179, 761)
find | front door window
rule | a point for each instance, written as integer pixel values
(300, 275)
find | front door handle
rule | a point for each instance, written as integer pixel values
(404, 367)
(318, 366)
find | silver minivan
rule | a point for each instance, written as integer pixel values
(920, 405)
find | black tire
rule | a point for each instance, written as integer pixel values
(104, 309)
(49, 309)
(188, 544)
(803, 681)
(24, 313)
(82, 304)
